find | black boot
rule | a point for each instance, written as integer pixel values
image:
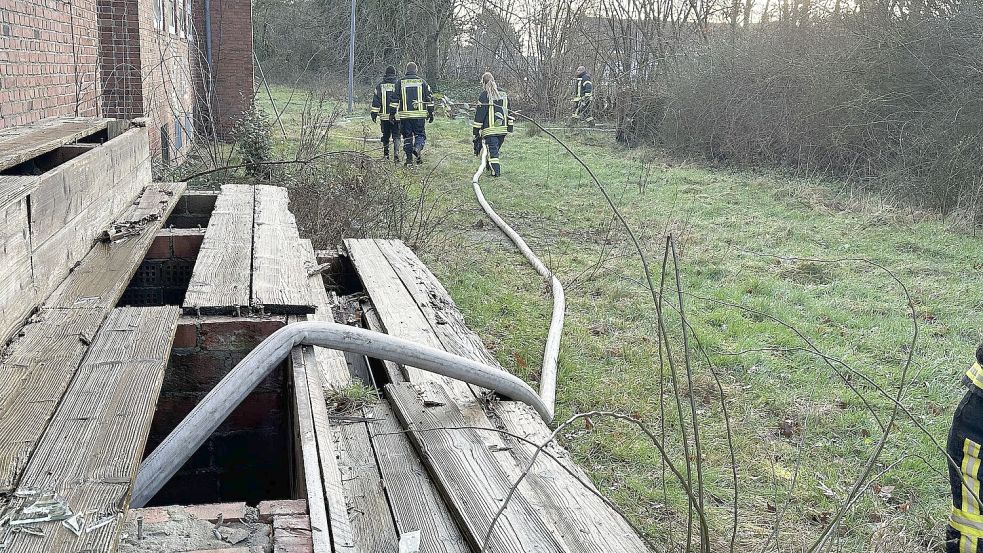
(409, 159)
(417, 151)
(395, 157)
(385, 151)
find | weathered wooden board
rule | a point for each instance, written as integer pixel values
(91, 450)
(75, 203)
(91, 185)
(342, 538)
(309, 454)
(467, 472)
(279, 268)
(371, 518)
(16, 187)
(17, 294)
(399, 312)
(416, 504)
(104, 275)
(578, 516)
(38, 366)
(221, 280)
(18, 144)
(33, 376)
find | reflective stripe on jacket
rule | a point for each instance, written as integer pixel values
(492, 118)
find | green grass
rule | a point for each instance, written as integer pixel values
(793, 418)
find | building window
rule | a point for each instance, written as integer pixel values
(158, 14)
(189, 22)
(178, 136)
(165, 145)
(170, 11)
(179, 16)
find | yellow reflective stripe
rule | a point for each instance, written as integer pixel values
(970, 472)
(966, 526)
(493, 160)
(476, 125)
(376, 110)
(967, 544)
(975, 375)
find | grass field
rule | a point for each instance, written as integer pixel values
(801, 435)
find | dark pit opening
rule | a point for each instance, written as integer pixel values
(47, 161)
(193, 210)
(250, 457)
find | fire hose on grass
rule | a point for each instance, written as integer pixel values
(547, 379)
(157, 469)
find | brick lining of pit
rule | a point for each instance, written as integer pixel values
(250, 456)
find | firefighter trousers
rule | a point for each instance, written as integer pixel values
(390, 132)
(964, 534)
(494, 144)
(414, 135)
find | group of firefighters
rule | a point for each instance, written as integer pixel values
(403, 106)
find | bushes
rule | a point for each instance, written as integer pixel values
(893, 104)
(254, 143)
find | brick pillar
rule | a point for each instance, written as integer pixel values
(232, 77)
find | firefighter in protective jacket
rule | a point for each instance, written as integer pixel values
(412, 107)
(492, 122)
(384, 95)
(583, 94)
(964, 533)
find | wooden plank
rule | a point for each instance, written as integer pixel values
(467, 472)
(342, 538)
(33, 376)
(75, 203)
(416, 504)
(106, 271)
(14, 188)
(19, 144)
(313, 477)
(18, 296)
(91, 450)
(372, 524)
(279, 270)
(220, 281)
(579, 518)
(95, 185)
(399, 312)
(38, 366)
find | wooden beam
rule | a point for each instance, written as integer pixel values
(90, 452)
(279, 268)
(19, 144)
(416, 503)
(221, 280)
(18, 297)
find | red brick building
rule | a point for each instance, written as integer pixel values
(184, 65)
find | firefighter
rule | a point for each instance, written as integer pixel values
(412, 106)
(964, 534)
(582, 96)
(492, 122)
(380, 105)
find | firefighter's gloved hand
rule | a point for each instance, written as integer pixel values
(392, 118)
(374, 116)
(477, 146)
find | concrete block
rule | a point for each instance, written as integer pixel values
(231, 512)
(151, 515)
(281, 507)
(292, 522)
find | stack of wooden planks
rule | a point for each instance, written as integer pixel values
(79, 381)
(51, 220)
(251, 258)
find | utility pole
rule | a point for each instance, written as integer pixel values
(351, 63)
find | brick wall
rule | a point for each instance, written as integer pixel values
(119, 59)
(48, 58)
(230, 91)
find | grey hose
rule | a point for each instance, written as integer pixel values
(551, 351)
(187, 437)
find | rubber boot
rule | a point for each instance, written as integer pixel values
(385, 151)
(418, 150)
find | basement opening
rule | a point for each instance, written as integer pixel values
(47, 161)
(251, 456)
(165, 272)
